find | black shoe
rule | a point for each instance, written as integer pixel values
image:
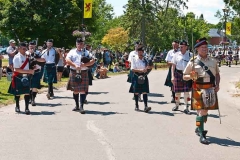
(33, 103)
(175, 108)
(173, 100)
(186, 111)
(85, 102)
(76, 109)
(136, 108)
(203, 138)
(27, 111)
(48, 96)
(82, 110)
(197, 132)
(147, 109)
(51, 95)
(17, 109)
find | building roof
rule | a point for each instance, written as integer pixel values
(214, 33)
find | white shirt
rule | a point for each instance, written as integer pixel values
(181, 60)
(18, 61)
(170, 55)
(138, 63)
(131, 55)
(49, 58)
(75, 56)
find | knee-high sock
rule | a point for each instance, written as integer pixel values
(186, 99)
(177, 98)
(30, 94)
(173, 95)
(26, 98)
(17, 101)
(51, 87)
(145, 99)
(76, 98)
(200, 123)
(136, 99)
(82, 99)
(34, 94)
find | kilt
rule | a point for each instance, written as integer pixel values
(168, 81)
(75, 86)
(197, 102)
(36, 79)
(50, 73)
(130, 76)
(19, 89)
(139, 88)
(90, 77)
(179, 84)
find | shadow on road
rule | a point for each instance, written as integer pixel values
(224, 142)
(48, 104)
(102, 113)
(56, 97)
(45, 113)
(100, 103)
(98, 92)
(150, 101)
(155, 95)
(162, 113)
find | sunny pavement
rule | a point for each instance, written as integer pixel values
(111, 129)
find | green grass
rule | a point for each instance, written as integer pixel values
(5, 98)
(4, 62)
(238, 85)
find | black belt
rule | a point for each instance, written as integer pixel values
(179, 71)
(73, 70)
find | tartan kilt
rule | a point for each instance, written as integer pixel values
(168, 81)
(130, 76)
(139, 88)
(36, 80)
(179, 84)
(50, 73)
(196, 100)
(90, 77)
(19, 89)
(76, 86)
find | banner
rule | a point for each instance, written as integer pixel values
(228, 28)
(87, 9)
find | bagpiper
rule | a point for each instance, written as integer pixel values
(206, 78)
(78, 78)
(50, 69)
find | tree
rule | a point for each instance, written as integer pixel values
(116, 39)
(55, 19)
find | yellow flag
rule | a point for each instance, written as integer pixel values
(87, 8)
(228, 28)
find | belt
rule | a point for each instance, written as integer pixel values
(73, 70)
(179, 71)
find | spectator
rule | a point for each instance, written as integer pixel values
(60, 65)
(106, 58)
(11, 51)
(1, 57)
(116, 68)
(103, 71)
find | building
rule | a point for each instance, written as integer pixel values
(215, 36)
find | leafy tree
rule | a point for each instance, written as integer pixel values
(116, 39)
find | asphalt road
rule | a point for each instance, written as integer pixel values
(112, 130)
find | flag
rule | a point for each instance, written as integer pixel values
(228, 28)
(87, 9)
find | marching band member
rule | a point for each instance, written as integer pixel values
(50, 71)
(78, 78)
(36, 77)
(20, 79)
(168, 59)
(179, 62)
(140, 69)
(205, 73)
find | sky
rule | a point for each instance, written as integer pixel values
(206, 7)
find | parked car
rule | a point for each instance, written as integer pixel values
(3, 50)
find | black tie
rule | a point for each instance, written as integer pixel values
(48, 52)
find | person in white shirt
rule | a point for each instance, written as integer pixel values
(20, 79)
(12, 50)
(50, 69)
(171, 53)
(140, 68)
(78, 78)
(179, 63)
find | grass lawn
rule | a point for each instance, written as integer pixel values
(4, 62)
(238, 85)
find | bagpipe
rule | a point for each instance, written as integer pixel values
(86, 58)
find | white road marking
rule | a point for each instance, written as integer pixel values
(102, 139)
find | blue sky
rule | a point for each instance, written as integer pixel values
(206, 7)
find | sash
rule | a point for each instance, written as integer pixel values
(15, 74)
